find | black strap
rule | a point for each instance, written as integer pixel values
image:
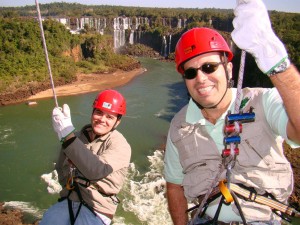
(82, 202)
(215, 219)
(81, 199)
(238, 207)
(71, 213)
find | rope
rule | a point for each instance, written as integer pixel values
(236, 110)
(46, 51)
(230, 165)
(240, 83)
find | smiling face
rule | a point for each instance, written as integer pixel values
(208, 89)
(103, 122)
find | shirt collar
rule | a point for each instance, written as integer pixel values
(194, 114)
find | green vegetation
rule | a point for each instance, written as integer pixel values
(22, 56)
(23, 60)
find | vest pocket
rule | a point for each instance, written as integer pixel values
(198, 179)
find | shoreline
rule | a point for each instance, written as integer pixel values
(87, 83)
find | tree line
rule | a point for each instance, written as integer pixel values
(23, 59)
(22, 56)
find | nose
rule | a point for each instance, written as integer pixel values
(201, 77)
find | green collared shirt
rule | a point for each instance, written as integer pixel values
(276, 117)
(275, 114)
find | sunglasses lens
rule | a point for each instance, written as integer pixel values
(206, 68)
(190, 73)
(209, 68)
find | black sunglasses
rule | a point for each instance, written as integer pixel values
(206, 68)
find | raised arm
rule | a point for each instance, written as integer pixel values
(288, 86)
(253, 33)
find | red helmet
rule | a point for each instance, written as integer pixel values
(110, 101)
(198, 41)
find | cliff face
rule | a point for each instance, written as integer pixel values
(75, 53)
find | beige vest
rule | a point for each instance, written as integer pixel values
(260, 164)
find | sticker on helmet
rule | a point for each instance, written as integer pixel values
(106, 105)
(189, 49)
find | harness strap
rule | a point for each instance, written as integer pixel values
(82, 202)
(81, 199)
(86, 183)
(72, 217)
(251, 195)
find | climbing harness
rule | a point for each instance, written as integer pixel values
(72, 185)
(233, 128)
(249, 194)
(70, 182)
(46, 52)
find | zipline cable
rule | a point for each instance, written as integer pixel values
(46, 51)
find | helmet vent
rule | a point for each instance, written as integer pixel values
(215, 44)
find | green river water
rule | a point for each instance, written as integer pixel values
(29, 146)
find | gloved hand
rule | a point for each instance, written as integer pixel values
(253, 33)
(61, 121)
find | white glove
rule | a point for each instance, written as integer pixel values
(61, 121)
(253, 33)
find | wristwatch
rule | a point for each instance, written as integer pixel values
(281, 67)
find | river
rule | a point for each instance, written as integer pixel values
(29, 146)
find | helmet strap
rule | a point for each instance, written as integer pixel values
(118, 119)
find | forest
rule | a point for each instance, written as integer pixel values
(23, 60)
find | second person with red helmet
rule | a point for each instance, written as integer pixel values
(92, 164)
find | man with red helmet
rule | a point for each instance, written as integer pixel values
(92, 164)
(194, 159)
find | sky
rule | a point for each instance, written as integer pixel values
(278, 5)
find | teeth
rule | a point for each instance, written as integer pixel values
(204, 90)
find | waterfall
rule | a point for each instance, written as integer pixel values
(119, 31)
(164, 46)
(120, 25)
(131, 37)
(179, 24)
(170, 40)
